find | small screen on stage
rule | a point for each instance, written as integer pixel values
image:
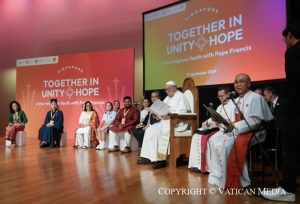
(213, 40)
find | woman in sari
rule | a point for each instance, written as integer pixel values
(17, 121)
(88, 123)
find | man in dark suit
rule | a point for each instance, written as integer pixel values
(149, 120)
(278, 108)
(278, 127)
(290, 141)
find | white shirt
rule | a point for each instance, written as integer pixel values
(255, 109)
(274, 102)
(143, 115)
(178, 103)
(109, 116)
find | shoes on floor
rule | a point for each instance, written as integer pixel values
(43, 144)
(99, 146)
(182, 160)
(114, 149)
(7, 143)
(278, 194)
(195, 170)
(143, 161)
(159, 164)
(126, 150)
(102, 145)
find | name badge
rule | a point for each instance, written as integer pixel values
(123, 121)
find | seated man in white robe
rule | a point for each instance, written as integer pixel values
(199, 160)
(228, 166)
(156, 138)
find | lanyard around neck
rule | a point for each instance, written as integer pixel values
(125, 112)
(53, 115)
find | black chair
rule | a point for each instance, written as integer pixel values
(270, 147)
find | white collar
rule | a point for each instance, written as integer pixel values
(274, 101)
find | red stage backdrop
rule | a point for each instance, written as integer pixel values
(73, 79)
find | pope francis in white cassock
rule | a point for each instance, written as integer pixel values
(199, 158)
(228, 167)
(156, 138)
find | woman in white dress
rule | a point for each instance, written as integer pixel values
(88, 122)
(107, 120)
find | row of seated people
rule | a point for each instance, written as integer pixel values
(222, 153)
(127, 122)
(227, 165)
(50, 132)
(154, 145)
(92, 132)
(86, 134)
(114, 124)
(201, 147)
(122, 124)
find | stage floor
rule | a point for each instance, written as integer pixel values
(63, 175)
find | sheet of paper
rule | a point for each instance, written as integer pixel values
(159, 108)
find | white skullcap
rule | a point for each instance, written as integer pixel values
(171, 83)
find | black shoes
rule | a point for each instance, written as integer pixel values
(44, 144)
(114, 149)
(156, 165)
(160, 164)
(144, 161)
(195, 170)
(182, 160)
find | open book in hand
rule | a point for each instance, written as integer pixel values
(219, 119)
(159, 108)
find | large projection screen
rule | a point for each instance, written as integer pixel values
(213, 40)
